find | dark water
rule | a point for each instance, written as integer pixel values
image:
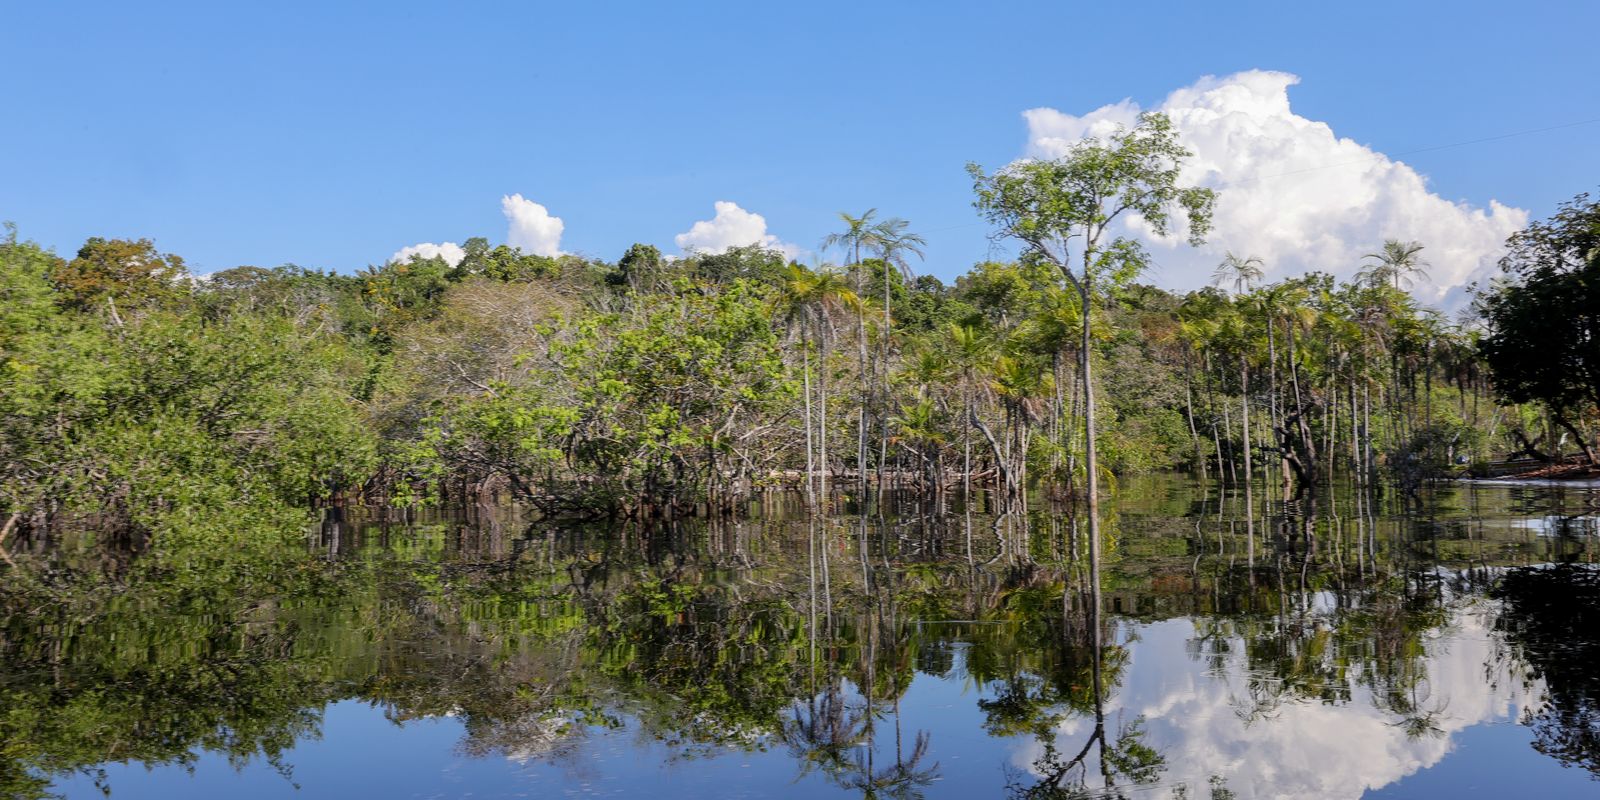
(1336, 649)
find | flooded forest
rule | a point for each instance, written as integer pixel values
(729, 524)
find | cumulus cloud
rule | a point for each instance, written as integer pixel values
(449, 251)
(1292, 191)
(731, 227)
(531, 227)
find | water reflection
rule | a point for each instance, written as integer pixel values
(1235, 645)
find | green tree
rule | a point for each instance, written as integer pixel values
(894, 242)
(1543, 340)
(1048, 204)
(121, 273)
(815, 297)
(1243, 273)
(1397, 263)
(640, 268)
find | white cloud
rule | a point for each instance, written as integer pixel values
(449, 251)
(531, 227)
(1291, 191)
(732, 227)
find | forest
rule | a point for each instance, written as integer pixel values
(139, 397)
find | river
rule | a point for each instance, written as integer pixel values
(1337, 646)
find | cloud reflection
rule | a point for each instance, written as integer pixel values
(1202, 716)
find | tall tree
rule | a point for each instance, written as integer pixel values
(893, 243)
(860, 232)
(1544, 319)
(814, 297)
(1051, 206)
(970, 349)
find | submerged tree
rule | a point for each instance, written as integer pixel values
(814, 298)
(1056, 205)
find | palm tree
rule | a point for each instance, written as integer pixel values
(1396, 263)
(813, 297)
(970, 349)
(892, 241)
(824, 731)
(1018, 383)
(1054, 329)
(1197, 330)
(918, 430)
(859, 232)
(1242, 272)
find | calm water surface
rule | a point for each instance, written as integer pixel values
(1334, 648)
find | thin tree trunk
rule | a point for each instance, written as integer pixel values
(1244, 412)
(1227, 425)
(1366, 434)
(1355, 429)
(1274, 413)
(822, 411)
(966, 442)
(864, 381)
(1307, 443)
(1090, 457)
(1188, 408)
(811, 464)
(883, 381)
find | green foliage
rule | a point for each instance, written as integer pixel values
(131, 390)
(171, 411)
(679, 377)
(1543, 341)
(503, 263)
(118, 273)
(1046, 204)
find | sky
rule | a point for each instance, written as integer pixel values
(340, 135)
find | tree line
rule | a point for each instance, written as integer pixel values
(135, 393)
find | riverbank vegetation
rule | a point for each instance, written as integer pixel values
(136, 395)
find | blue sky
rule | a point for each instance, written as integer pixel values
(332, 137)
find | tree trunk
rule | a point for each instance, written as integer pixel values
(966, 442)
(811, 464)
(1002, 464)
(1308, 444)
(1188, 408)
(1583, 443)
(1227, 425)
(1366, 434)
(1244, 411)
(1090, 456)
(822, 412)
(883, 380)
(1275, 414)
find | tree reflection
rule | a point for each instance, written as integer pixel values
(1550, 618)
(1124, 759)
(823, 733)
(740, 635)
